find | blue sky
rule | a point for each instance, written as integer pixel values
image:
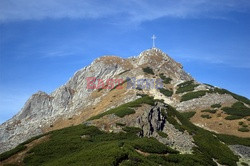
(42, 43)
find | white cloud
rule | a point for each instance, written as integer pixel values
(126, 10)
(226, 60)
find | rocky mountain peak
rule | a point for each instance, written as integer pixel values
(73, 103)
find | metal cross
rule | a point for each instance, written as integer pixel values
(153, 38)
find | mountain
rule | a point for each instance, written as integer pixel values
(149, 100)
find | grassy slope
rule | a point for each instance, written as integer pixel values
(66, 147)
(209, 144)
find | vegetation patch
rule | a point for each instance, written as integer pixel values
(12, 152)
(123, 112)
(244, 164)
(188, 115)
(241, 123)
(123, 72)
(186, 86)
(166, 92)
(208, 145)
(244, 125)
(216, 105)
(148, 70)
(237, 109)
(233, 117)
(214, 90)
(237, 97)
(233, 140)
(193, 95)
(126, 109)
(66, 147)
(206, 116)
(162, 134)
(151, 145)
(209, 111)
(120, 124)
(18, 148)
(243, 129)
(132, 130)
(165, 80)
(180, 160)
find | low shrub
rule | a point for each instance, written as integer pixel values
(33, 138)
(233, 117)
(238, 109)
(126, 109)
(132, 130)
(209, 111)
(243, 129)
(244, 164)
(180, 160)
(166, 92)
(241, 123)
(244, 125)
(188, 115)
(165, 80)
(208, 145)
(123, 112)
(12, 152)
(120, 124)
(193, 95)
(148, 70)
(233, 140)
(206, 116)
(186, 87)
(216, 105)
(237, 97)
(162, 134)
(151, 145)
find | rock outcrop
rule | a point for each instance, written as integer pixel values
(153, 121)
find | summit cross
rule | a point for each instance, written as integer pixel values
(153, 38)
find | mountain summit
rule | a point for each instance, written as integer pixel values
(113, 92)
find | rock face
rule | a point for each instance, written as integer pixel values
(205, 102)
(153, 121)
(74, 99)
(42, 110)
(242, 151)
